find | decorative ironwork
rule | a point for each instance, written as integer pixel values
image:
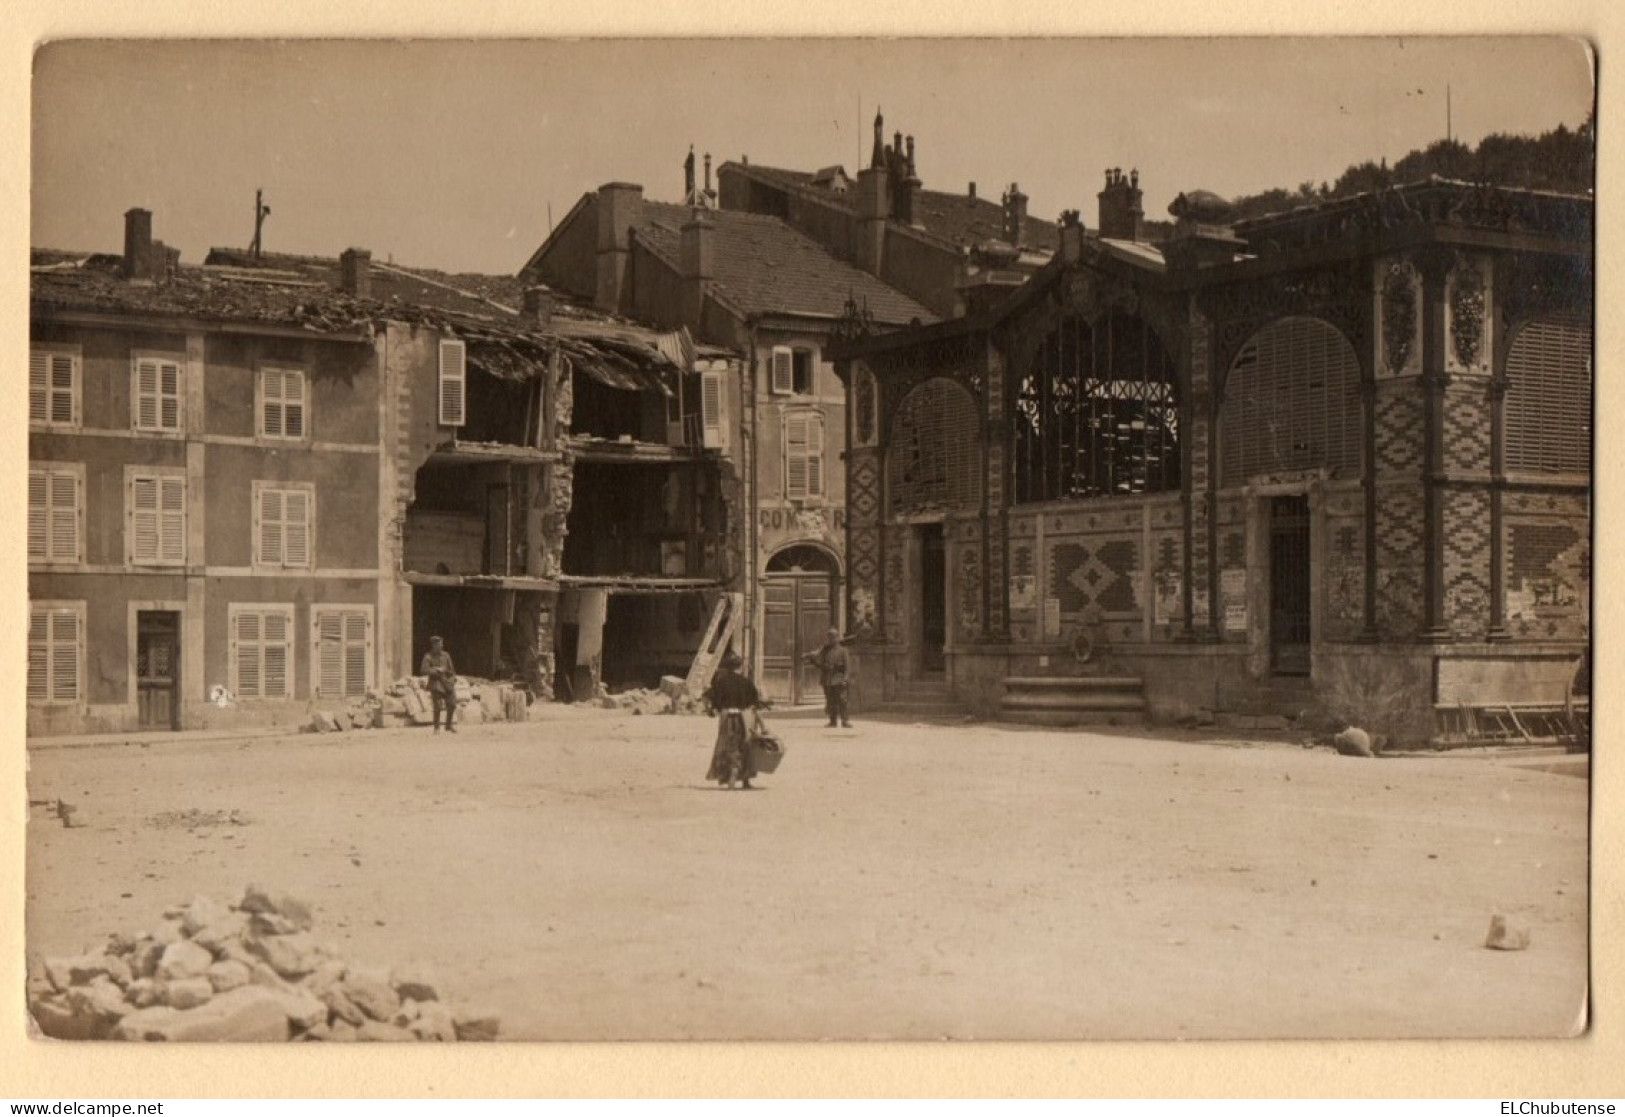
(1467, 313)
(1339, 295)
(1399, 291)
(855, 321)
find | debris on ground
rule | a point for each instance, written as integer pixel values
(1506, 936)
(247, 972)
(1353, 741)
(406, 702)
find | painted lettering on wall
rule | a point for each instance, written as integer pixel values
(805, 519)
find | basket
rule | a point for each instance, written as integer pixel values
(766, 750)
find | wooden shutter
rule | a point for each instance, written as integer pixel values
(146, 394)
(39, 498)
(245, 652)
(64, 516)
(293, 404)
(296, 519)
(64, 407)
(330, 655)
(272, 417)
(453, 382)
(270, 531)
(39, 661)
(711, 411)
(783, 370)
(144, 529)
(275, 654)
(172, 519)
(39, 390)
(169, 396)
(815, 455)
(1548, 410)
(796, 478)
(356, 657)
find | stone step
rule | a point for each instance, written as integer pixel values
(1065, 719)
(1108, 703)
(1080, 683)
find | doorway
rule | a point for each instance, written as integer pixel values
(933, 600)
(157, 669)
(1290, 591)
(798, 608)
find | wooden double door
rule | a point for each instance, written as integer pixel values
(797, 610)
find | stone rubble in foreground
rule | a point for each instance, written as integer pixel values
(246, 972)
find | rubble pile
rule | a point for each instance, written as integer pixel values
(249, 972)
(671, 697)
(406, 702)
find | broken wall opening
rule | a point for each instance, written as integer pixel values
(628, 411)
(645, 521)
(625, 640)
(490, 633)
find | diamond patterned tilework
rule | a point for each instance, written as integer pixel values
(1467, 563)
(895, 608)
(1098, 572)
(1399, 430)
(1467, 429)
(1400, 556)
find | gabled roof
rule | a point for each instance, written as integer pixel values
(763, 266)
(957, 218)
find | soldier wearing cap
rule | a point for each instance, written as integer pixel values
(834, 674)
(442, 677)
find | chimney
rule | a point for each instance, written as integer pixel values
(138, 244)
(695, 265)
(1122, 217)
(688, 175)
(971, 193)
(1015, 214)
(1071, 236)
(620, 207)
(873, 205)
(355, 272)
(709, 193)
(536, 307)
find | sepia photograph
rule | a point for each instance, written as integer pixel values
(885, 539)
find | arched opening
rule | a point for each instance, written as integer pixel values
(1548, 402)
(1292, 402)
(1097, 413)
(933, 458)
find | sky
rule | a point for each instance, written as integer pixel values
(457, 155)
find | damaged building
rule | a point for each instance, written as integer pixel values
(756, 286)
(1334, 461)
(259, 485)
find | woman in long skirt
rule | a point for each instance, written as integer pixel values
(730, 695)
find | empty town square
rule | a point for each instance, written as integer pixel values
(576, 877)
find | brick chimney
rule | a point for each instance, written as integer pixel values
(1122, 216)
(909, 189)
(537, 307)
(873, 205)
(696, 265)
(355, 272)
(1015, 214)
(138, 253)
(620, 207)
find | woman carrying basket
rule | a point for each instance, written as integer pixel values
(730, 695)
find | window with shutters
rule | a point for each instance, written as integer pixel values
(342, 656)
(155, 517)
(56, 512)
(1548, 401)
(156, 393)
(53, 388)
(261, 650)
(933, 456)
(453, 382)
(56, 652)
(1292, 401)
(804, 455)
(782, 369)
(284, 524)
(282, 403)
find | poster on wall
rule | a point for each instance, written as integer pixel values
(1235, 616)
(1052, 616)
(1167, 597)
(1023, 592)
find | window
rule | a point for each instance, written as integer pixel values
(803, 455)
(155, 518)
(1292, 401)
(282, 525)
(793, 371)
(56, 513)
(53, 388)
(261, 650)
(157, 394)
(282, 403)
(342, 655)
(453, 382)
(934, 460)
(1548, 402)
(56, 632)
